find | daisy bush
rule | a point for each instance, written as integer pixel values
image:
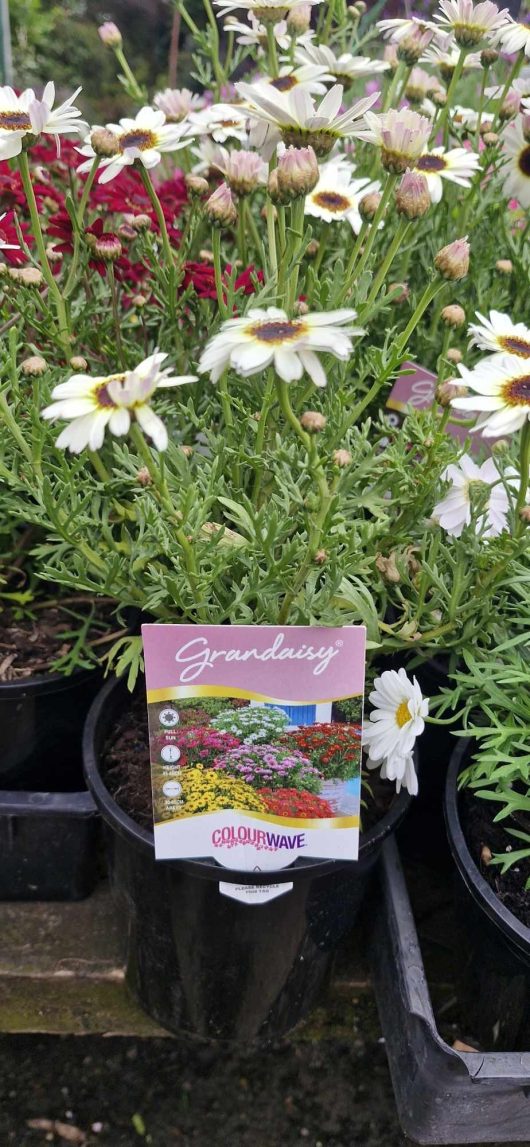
(253, 725)
(207, 302)
(271, 766)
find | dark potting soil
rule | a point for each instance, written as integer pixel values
(126, 768)
(482, 834)
(30, 645)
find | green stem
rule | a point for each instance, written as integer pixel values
(268, 397)
(256, 237)
(241, 238)
(393, 86)
(391, 181)
(99, 466)
(524, 469)
(355, 255)
(115, 314)
(168, 253)
(218, 271)
(71, 281)
(273, 55)
(218, 71)
(402, 230)
(271, 237)
(6, 414)
(297, 236)
(443, 121)
(512, 75)
(135, 90)
(60, 306)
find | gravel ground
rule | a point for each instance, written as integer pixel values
(125, 1093)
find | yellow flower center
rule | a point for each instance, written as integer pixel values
(516, 391)
(276, 331)
(332, 201)
(402, 714)
(140, 138)
(15, 121)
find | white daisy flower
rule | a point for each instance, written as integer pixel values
(3, 245)
(264, 337)
(254, 34)
(454, 511)
(294, 118)
(343, 69)
(396, 720)
(501, 392)
(457, 166)
(26, 115)
(516, 173)
(337, 196)
(470, 23)
(468, 117)
(222, 122)
(311, 78)
(401, 135)
(92, 404)
(396, 30)
(419, 84)
(268, 11)
(143, 138)
(500, 335)
(445, 54)
(513, 37)
(177, 103)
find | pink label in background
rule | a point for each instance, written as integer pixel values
(417, 389)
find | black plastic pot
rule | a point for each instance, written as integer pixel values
(494, 946)
(41, 725)
(200, 961)
(442, 1096)
(47, 845)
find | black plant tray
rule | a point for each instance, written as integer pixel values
(47, 845)
(442, 1096)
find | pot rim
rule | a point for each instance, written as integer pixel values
(515, 931)
(44, 683)
(207, 868)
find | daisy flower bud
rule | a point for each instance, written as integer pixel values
(313, 421)
(490, 138)
(126, 232)
(454, 355)
(452, 261)
(139, 222)
(453, 315)
(196, 186)
(187, 451)
(139, 301)
(488, 57)
(273, 189)
(297, 172)
(312, 249)
(398, 292)
(299, 19)
(27, 276)
(369, 204)
(388, 569)
(505, 266)
(220, 207)
(107, 247)
(110, 34)
(401, 136)
(342, 457)
(446, 391)
(243, 171)
(412, 196)
(439, 97)
(301, 308)
(321, 557)
(143, 477)
(500, 447)
(411, 48)
(34, 365)
(79, 363)
(524, 514)
(104, 142)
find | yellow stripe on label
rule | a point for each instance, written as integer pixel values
(182, 692)
(281, 821)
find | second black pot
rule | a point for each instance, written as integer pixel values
(493, 946)
(200, 961)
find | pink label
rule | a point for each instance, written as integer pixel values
(417, 389)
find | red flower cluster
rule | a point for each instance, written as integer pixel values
(333, 747)
(202, 277)
(297, 804)
(203, 745)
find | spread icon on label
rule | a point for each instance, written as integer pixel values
(172, 789)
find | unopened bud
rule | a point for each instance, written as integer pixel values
(524, 514)
(140, 222)
(107, 247)
(297, 173)
(410, 49)
(500, 447)
(187, 451)
(490, 138)
(369, 204)
(78, 362)
(26, 276)
(486, 854)
(139, 301)
(453, 315)
(446, 391)
(110, 34)
(53, 256)
(439, 97)
(220, 207)
(34, 365)
(342, 457)
(454, 355)
(299, 19)
(388, 569)
(196, 185)
(505, 266)
(312, 249)
(126, 232)
(488, 57)
(301, 308)
(143, 477)
(313, 421)
(412, 195)
(452, 261)
(321, 557)
(398, 293)
(104, 142)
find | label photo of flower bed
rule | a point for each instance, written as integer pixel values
(333, 748)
